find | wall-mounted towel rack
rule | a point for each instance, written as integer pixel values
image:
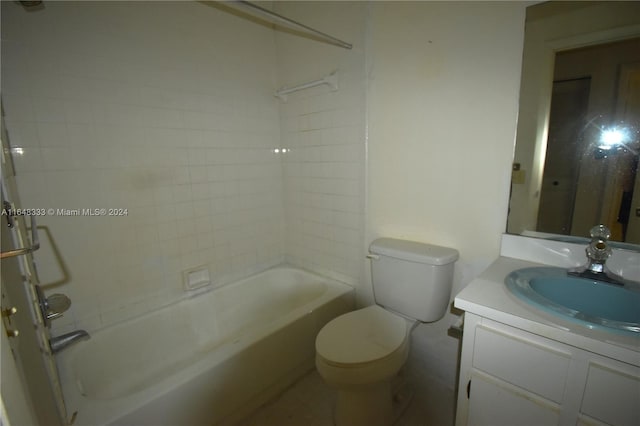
(331, 80)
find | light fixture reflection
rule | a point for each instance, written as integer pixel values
(281, 150)
(612, 138)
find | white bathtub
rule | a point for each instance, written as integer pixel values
(206, 360)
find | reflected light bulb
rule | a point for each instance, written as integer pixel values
(611, 138)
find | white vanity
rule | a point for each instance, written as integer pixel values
(522, 366)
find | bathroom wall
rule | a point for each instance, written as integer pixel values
(443, 102)
(323, 133)
(177, 123)
(161, 108)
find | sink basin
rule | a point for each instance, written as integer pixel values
(594, 304)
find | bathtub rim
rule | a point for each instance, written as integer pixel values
(104, 407)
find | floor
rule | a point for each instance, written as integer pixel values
(309, 403)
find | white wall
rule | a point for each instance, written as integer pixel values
(435, 85)
(165, 109)
(443, 100)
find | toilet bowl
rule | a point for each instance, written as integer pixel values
(360, 353)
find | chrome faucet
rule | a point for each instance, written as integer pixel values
(64, 341)
(598, 251)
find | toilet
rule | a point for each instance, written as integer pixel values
(361, 352)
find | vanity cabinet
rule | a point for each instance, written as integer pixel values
(512, 377)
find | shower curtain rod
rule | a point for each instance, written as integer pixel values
(286, 22)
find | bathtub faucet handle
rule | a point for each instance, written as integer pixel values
(64, 341)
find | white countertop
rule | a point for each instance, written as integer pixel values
(489, 297)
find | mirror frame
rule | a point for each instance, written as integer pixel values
(547, 33)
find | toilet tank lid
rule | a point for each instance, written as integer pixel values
(414, 251)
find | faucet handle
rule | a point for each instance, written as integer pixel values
(598, 250)
(600, 232)
(52, 307)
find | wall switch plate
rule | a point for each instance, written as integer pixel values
(517, 176)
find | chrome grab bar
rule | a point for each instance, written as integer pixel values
(280, 20)
(35, 243)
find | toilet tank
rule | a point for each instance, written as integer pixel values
(411, 278)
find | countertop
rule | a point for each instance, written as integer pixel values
(488, 296)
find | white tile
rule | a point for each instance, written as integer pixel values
(198, 174)
(18, 107)
(190, 142)
(310, 402)
(200, 191)
(52, 134)
(77, 112)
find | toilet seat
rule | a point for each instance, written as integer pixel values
(362, 337)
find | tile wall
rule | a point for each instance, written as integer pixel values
(163, 109)
(323, 132)
(322, 175)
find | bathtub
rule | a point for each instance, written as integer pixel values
(205, 360)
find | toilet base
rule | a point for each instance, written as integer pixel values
(365, 406)
(371, 406)
(402, 397)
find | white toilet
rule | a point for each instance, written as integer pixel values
(360, 353)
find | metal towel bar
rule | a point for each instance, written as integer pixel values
(273, 17)
(330, 80)
(35, 243)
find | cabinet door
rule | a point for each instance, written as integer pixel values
(495, 403)
(612, 394)
(519, 359)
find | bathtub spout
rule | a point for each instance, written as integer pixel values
(64, 341)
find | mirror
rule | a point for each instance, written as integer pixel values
(578, 141)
